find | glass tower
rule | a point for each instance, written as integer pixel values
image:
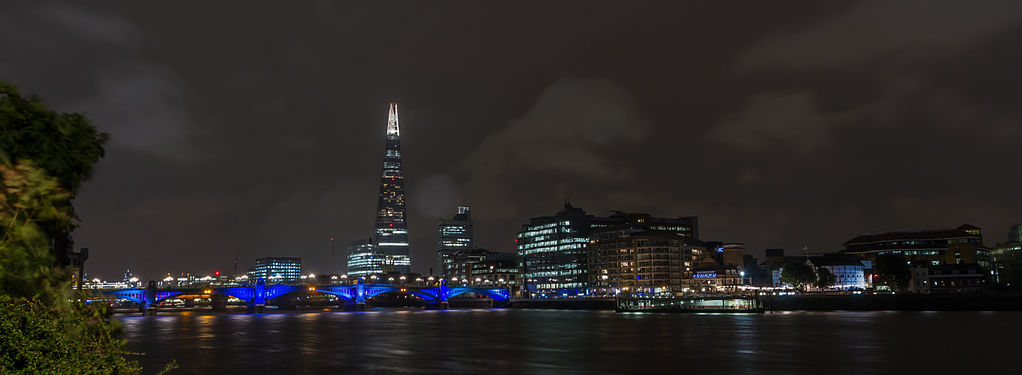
(363, 259)
(391, 235)
(452, 236)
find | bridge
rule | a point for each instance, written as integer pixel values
(258, 294)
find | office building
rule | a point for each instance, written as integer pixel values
(553, 255)
(452, 236)
(364, 259)
(482, 267)
(962, 245)
(391, 236)
(637, 260)
(277, 269)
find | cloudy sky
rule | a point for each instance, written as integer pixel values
(259, 127)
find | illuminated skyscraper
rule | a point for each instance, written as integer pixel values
(363, 259)
(452, 236)
(391, 235)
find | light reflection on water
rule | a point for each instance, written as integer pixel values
(552, 341)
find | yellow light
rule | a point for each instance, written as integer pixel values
(312, 288)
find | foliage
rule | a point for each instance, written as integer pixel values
(28, 197)
(44, 157)
(798, 274)
(36, 338)
(65, 145)
(824, 278)
(892, 270)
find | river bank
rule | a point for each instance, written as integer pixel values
(858, 302)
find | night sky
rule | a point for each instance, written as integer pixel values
(260, 128)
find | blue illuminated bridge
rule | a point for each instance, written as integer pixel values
(256, 295)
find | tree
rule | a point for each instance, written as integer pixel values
(64, 145)
(29, 197)
(798, 274)
(892, 270)
(44, 157)
(824, 278)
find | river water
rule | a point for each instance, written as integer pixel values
(505, 341)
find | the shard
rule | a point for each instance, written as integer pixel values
(391, 235)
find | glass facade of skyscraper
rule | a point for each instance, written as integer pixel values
(277, 269)
(553, 254)
(452, 236)
(391, 236)
(363, 259)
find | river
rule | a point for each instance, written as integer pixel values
(505, 341)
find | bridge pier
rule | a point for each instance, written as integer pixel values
(149, 311)
(354, 306)
(219, 302)
(438, 306)
(255, 308)
(286, 302)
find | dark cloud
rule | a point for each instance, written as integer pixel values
(260, 129)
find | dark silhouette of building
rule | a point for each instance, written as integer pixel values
(962, 245)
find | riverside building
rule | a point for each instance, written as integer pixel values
(555, 252)
(277, 269)
(453, 236)
(553, 255)
(962, 245)
(637, 260)
(364, 259)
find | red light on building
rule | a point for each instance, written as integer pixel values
(216, 273)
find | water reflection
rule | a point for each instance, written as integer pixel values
(551, 341)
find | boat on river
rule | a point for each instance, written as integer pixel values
(689, 304)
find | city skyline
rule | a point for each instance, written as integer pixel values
(804, 124)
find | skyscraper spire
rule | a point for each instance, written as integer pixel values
(392, 122)
(391, 235)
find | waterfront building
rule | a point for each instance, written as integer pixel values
(452, 236)
(391, 236)
(714, 279)
(637, 260)
(553, 255)
(956, 278)
(684, 226)
(731, 254)
(554, 250)
(364, 259)
(277, 269)
(1015, 235)
(962, 245)
(848, 270)
(483, 267)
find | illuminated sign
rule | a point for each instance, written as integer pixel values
(705, 275)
